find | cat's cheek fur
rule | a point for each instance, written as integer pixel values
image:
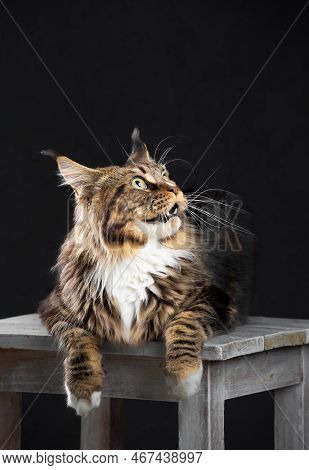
(81, 405)
(186, 387)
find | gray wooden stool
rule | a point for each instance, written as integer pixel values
(263, 354)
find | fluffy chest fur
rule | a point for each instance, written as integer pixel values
(128, 281)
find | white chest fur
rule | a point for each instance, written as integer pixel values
(127, 281)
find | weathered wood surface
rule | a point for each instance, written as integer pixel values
(258, 334)
(306, 394)
(143, 377)
(289, 416)
(117, 424)
(252, 358)
(292, 412)
(284, 323)
(268, 370)
(42, 372)
(95, 429)
(201, 417)
(102, 429)
(10, 420)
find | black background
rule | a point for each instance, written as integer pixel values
(169, 67)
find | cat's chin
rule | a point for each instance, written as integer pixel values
(161, 230)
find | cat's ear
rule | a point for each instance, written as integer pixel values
(139, 151)
(79, 177)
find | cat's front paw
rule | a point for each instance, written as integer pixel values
(82, 406)
(186, 387)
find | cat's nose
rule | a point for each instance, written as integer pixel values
(173, 188)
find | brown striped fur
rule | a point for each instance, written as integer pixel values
(184, 308)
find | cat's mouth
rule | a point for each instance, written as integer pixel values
(163, 218)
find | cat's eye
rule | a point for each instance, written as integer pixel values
(165, 177)
(139, 183)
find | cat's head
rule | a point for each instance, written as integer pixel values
(126, 204)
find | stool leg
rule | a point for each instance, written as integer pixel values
(10, 416)
(102, 429)
(292, 412)
(201, 417)
(306, 394)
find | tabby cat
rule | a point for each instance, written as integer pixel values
(132, 270)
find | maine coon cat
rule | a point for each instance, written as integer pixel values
(132, 270)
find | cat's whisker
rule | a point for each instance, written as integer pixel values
(209, 214)
(164, 155)
(161, 142)
(198, 217)
(214, 202)
(192, 215)
(209, 177)
(207, 223)
(218, 211)
(198, 222)
(224, 222)
(218, 189)
(178, 160)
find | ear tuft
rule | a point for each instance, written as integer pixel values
(50, 153)
(136, 140)
(139, 151)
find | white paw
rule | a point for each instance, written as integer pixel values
(96, 399)
(186, 387)
(81, 405)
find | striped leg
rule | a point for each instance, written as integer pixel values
(83, 370)
(184, 338)
(82, 365)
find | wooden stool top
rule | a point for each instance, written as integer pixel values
(256, 335)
